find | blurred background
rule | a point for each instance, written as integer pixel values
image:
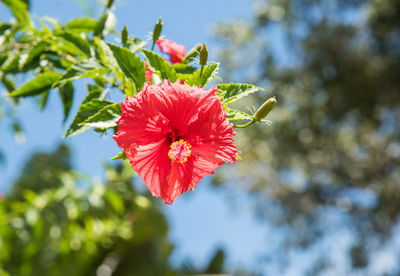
(317, 192)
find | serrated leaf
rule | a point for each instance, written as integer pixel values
(20, 10)
(66, 92)
(208, 74)
(39, 84)
(78, 41)
(159, 64)
(105, 117)
(235, 115)
(105, 24)
(130, 64)
(84, 24)
(231, 92)
(90, 106)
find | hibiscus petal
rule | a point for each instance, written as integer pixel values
(151, 163)
(178, 180)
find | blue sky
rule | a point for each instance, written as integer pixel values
(200, 221)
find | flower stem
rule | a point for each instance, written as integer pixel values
(247, 124)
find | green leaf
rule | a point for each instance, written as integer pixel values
(208, 74)
(90, 106)
(83, 24)
(65, 47)
(44, 99)
(86, 69)
(135, 44)
(159, 64)
(235, 115)
(39, 84)
(78, 41)
(231, 92)
(130, 64)
(105, 117)
(11, 64)
(33, 53)
(66, 92)
(106, 24)
(192, 54)
(20, 10)
(8, 84)
(183, 68)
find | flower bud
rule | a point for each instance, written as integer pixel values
(203, 55)
(124, 36)
(265, 109)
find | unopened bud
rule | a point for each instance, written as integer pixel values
(124, 36)
(265, 109)
(157, 31)
(203, 55)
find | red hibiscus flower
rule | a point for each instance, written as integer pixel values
(173, 135)
(175, 51)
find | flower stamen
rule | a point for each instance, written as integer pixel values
(180, 151)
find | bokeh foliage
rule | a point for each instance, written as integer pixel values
(83, 226)
(331, 159)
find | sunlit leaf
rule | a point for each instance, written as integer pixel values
(20, 10)
(160, 65)
(209, 73)
(39, 84)
(105, 117)
(90, 106)
(231, 92)
(83, 24)
(130, 64)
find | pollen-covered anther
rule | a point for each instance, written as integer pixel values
(180, 151)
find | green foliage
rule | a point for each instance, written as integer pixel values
(236, 115)
(83, 24)
(160, 65)
(231, 92)
(105, 24)
(105, 118)
(20, 10)
(130, 64)
(49, 226)
(202, 77)
(90, 106)
(39, 84)
(329, 153)
(66, 92)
